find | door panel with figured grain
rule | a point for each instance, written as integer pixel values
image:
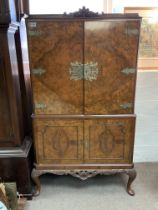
(56, 53)
(110, 66)
(59, 141)
(109, 140)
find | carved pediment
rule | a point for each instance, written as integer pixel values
(84, 12)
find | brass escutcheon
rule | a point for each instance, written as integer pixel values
(88, 71)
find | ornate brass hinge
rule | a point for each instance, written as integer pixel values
(40, 106)
(34, 33)
(126, 105)
(32, 24)
(39, 71)
(132, 31)
(128, 71)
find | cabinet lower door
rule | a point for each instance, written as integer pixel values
(58, 141)
(109, 140)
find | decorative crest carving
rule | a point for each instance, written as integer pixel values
(83, 12)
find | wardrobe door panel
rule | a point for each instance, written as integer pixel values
(56, 58)
(5, 122)
(58, 141)
(109, 140)
(110, 66)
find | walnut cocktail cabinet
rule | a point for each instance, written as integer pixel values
(83, 73)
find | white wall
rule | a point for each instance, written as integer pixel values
(61, 6)
(146, 141)
(118, 5)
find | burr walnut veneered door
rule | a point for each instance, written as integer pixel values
(58, 141)
(110, 66)
(56, 58)
(109, 140)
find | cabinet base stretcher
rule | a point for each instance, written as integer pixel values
(83, 175)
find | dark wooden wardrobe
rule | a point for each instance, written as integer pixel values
(15, 101)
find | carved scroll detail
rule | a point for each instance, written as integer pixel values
(83, 175)
(83, 12)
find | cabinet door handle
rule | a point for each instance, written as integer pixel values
(38, 71)
(80, 142)
(86, 144)
(88, 71)
(34, 33)
(128, 71)
(76, 71)
(40, 106)
(126, 105)
(132, 31)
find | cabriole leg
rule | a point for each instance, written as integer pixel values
(132, 175)
(35, 177)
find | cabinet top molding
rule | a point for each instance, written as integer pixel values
(85, 13)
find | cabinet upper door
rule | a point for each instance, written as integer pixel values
(110, 65)
(56, 58)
